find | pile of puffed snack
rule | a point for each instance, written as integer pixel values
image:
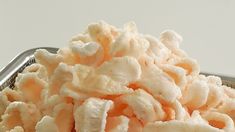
(110, 79)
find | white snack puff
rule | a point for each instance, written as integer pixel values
(144, 106)
(83, 37)
(130, 27)
(63, 117)
(31, 86)
(157, 49)
(91, 115)
(228, 107)
(215, 96)
(121, 69)
(129, 44)
(190, 65)
(180, 111)
(21, 114)
(158, 83)
(171, 39)
(90, 53)
(220, 121)
(196, 94)
(49, 60)
(103, 85)
(61, 75)
(104, 34)
(7, 96)
(47, 123)
(68, 90)
(177, 74)
(37, 69)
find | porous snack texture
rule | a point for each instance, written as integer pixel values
(110, 79)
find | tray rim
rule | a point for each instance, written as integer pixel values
(17, 64)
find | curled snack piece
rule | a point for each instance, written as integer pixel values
(180, 112)
(117, 124)
(104, 34)
(63, 115)
(171, 39)
(89, 53)
(144, 106)
(86, 80)
(68, 90)
(121, 69)
(37, 69)
(47, 123)
(49, 102)
(129, 44)
(61, 74)
(177, 74)
(158, 83)
(220, 121)
(49, 60)
(31, 86)
(196, 94)
(21, 114)
(189, 65)
(103, 85)
(157, 50)
(91, 115)
(215, 96)
(228, 107)
(7, 96)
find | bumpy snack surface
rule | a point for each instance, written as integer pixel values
(112, 79)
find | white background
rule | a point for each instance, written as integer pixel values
(207, 26)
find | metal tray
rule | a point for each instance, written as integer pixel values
(17, 65)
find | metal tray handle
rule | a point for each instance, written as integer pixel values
(17, 65)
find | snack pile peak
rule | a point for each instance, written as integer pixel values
(112, 79)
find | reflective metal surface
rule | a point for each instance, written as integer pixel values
(17, 65)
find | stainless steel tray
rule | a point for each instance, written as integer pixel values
(17, 65)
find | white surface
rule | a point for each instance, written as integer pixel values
(207, 26)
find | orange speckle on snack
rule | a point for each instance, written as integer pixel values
(174, 76)
(133, 86)
(10, 97)
(110, 97)
(170, 113)
(69, 100)
(32, 89)
(117, 110)
(217, 124)
(13, 120)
